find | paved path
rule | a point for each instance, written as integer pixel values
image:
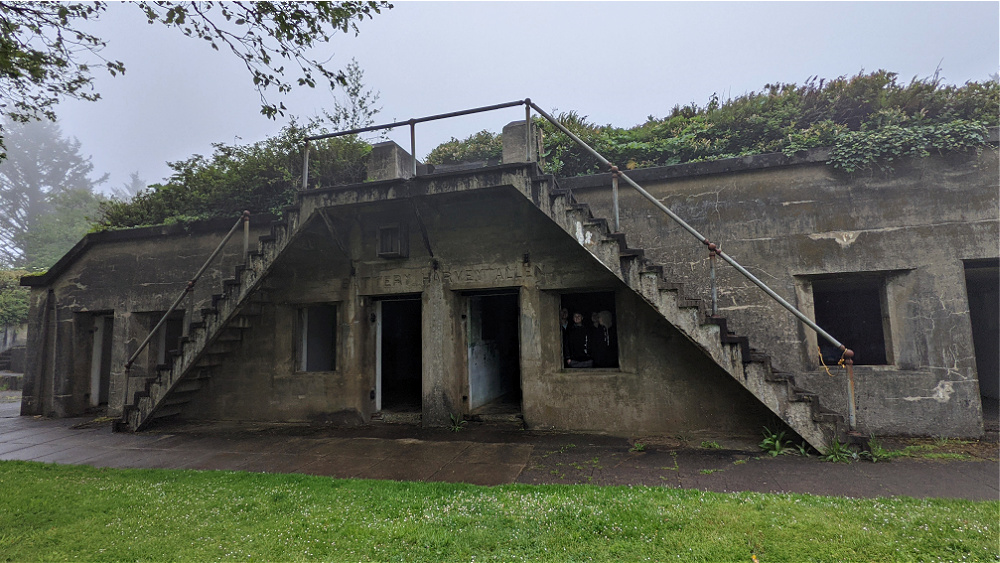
(479, 454)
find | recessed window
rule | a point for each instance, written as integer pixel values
(589, 330)
(392, 241)
(851, 309)
(317, 338)
(169, 337)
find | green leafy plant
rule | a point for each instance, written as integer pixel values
(458, 422)
(877, 452)
(637, 446)
(774, 443)
(711, 445)
(803, 448)
(839, 453)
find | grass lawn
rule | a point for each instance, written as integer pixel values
(66, 513)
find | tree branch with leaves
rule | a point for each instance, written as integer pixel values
(47, 54)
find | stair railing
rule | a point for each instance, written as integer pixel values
(616, 174)
(243, 220)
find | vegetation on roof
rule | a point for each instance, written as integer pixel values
(870, 119)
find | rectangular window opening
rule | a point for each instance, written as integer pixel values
(588, 323)
(317, 338)
(392, 241)
(852, 309)
(169, 338)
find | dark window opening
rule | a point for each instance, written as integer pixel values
(401, 369)
(850, 309)
(392, 242)
(169, 337)
(593, 343)
(317, 338)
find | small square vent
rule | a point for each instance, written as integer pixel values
(392, 241)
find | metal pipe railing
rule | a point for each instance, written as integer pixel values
(616, 174)
(243, 220)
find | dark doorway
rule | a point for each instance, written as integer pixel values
(100, 359)
(399, 364)
(982, 283)
(494, 353)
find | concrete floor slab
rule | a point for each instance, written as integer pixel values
(341, 467)
(482, 454)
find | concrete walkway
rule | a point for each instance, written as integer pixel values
(480, 454)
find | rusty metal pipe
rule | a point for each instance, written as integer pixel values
(416, 120)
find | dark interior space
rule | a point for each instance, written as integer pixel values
(602, 340)
(982, 282)
(170, 335)
(495, 358)
(107, 340)
(317, 338)
(851, 311)
(401, 355)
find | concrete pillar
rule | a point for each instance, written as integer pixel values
(443, 355)
(388, 161)
(38, 342)
(513, 139)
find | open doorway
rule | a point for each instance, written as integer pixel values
(398, 363)
(494, 353)
(982, 283)
(100, 359)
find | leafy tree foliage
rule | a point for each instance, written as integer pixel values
(129, 189)
(261, 176)
(870, 119)
(13, 298)
(54, 233)
(46, 53)
(483, 145)
(42, 167)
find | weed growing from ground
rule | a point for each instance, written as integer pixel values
(711, 445)
(775, 443)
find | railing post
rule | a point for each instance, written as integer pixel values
(527, 130)
(413, 145)
(305, 166)
(852, 405)
(188, 315)
(715, 291)
(614, 197)
(246, 236)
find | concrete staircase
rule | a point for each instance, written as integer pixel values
(217, 334)
(799, 408)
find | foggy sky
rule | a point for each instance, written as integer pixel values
(614, 62)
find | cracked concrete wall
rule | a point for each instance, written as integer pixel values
(789, 224)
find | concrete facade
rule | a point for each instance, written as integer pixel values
(425, 252)
(914, 234)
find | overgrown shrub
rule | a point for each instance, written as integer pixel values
(260, 177)
(870, 119)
